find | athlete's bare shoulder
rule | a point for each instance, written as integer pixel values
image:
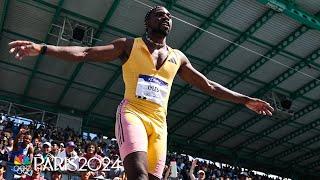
(182, 57)
(127, 45)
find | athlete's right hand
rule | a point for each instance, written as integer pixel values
(21, 49)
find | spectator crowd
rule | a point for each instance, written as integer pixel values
(22, 146)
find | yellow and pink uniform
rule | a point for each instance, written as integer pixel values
(141, 116)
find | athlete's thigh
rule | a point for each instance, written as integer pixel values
(130, 133)
(157, 150)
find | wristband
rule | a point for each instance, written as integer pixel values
(43, 49)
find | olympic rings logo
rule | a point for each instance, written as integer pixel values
(22, 169)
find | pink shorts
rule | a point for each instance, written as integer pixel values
(136, 131)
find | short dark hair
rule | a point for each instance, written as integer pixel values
(147, 17)
(28, 134)
(54, 142)
(91, 144)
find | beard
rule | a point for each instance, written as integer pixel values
(161, 31)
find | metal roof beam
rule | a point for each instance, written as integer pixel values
(133, 35)
(277, 126)
(297, 147)
(97, 35)
(228, 29)
(35, 67)
(288, 137)
(170, 3)
(22, 36)
(299, 93)
(4, 14)
(304, 157)
(310, 86)
(314, 165)
(206, 24)
(44, 105)
(246, 73)
(252, 39)
(105, 89)
(294, 12)
(222, 56)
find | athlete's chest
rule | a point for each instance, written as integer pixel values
(159, 56)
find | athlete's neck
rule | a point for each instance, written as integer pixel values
(155, 39)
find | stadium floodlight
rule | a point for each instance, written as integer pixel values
(67, 31)
(281, 103)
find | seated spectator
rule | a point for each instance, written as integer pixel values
(100, 151)
(69, 152)
(91, 152)
(46, 149)
(37, 145)
(55, 148)
(46, 155)
(61, 147)
(9, 146)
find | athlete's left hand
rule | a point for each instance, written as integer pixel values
(259, 106)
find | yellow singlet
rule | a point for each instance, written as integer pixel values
(146, 87)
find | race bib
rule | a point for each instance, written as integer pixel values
(152, 89)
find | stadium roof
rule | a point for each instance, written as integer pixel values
(285, 32)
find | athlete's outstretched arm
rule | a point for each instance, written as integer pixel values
(197, 79)
(108, 52)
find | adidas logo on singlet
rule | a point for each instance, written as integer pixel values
(172, 60)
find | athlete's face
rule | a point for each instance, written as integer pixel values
(160, 21)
